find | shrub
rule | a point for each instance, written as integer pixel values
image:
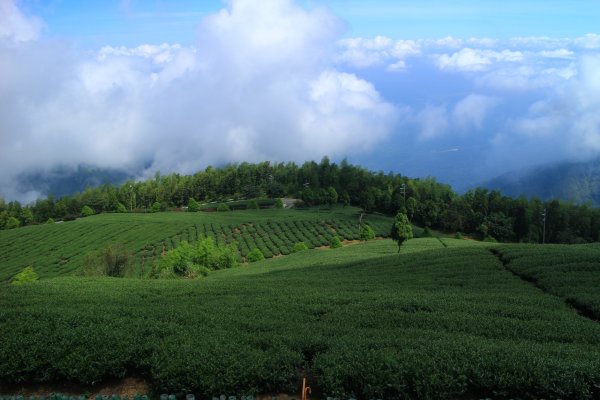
(50, 221)
(426, 233)
(121, 208)
(194, 260)
(87, 211)
(335, 242)
(28, 275)
(255, 255)
(193, 205)
(223, 207)
(300, 246)
(156, 206)
(111, 261)
(252, 205)
(490, 239)
(278, 203)
(458, 235)
(367, 233)
(12, 223)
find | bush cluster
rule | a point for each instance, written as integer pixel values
(194, 260)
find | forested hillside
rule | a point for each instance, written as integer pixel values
(480, 212)
(575, 181)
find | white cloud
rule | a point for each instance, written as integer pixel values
(259, 84)
(362, 53)
(472, 110)
(433, 121)
(16, 26)
(469, 59)
(570, 117)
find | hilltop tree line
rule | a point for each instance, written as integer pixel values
(426, 202)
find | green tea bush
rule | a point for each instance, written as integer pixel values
(426, 233)
(193, 205)
(367, 233)
(252, 205)
(335, 242)
(87, 211)
(193, 260)
(121, 208)
(255, 255)
(300, 246)
(28, 275)
(223, 207)
(458, 235)
(156, 206)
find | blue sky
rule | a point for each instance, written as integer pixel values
(129, 23)
(463, 92)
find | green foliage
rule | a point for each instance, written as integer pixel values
(425, 201)
(156, 207)
(278, 203)
(87, 211)
(402, 229)
(367, 233)
(192, 260)
(28, 275)
(12, 223)
(50, 221)
(112, 261)
(335, 242)
(431, 323)
(490, 239)
(193, 205)
(63, 249)
(458, 235)
(223, 207)
(331, 196)
(300, 246)
(252, 205)
(255, 255)
(426, 233)
(121, 208)
(570, 272)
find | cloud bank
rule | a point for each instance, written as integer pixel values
(260, 83)
(280, 82)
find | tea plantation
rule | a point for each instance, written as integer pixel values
(444, 319)
(62, 249)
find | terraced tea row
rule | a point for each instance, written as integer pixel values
(571, 272)
(433, 322)
(62, 249)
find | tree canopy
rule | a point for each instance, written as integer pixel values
(401, 229)
(426, 202)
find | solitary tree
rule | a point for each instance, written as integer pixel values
(401, 229)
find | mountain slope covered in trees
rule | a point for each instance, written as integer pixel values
(569, 181)
(483, 213)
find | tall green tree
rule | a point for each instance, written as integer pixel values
(401, 229)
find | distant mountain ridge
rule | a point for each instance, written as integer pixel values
(569, 181)
(64, 181)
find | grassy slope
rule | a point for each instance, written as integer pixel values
(61, 249)
(433, 322)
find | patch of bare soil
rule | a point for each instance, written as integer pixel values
(129, 386)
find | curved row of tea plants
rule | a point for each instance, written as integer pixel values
(433, 322)
(571, 272)
(62, 248)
